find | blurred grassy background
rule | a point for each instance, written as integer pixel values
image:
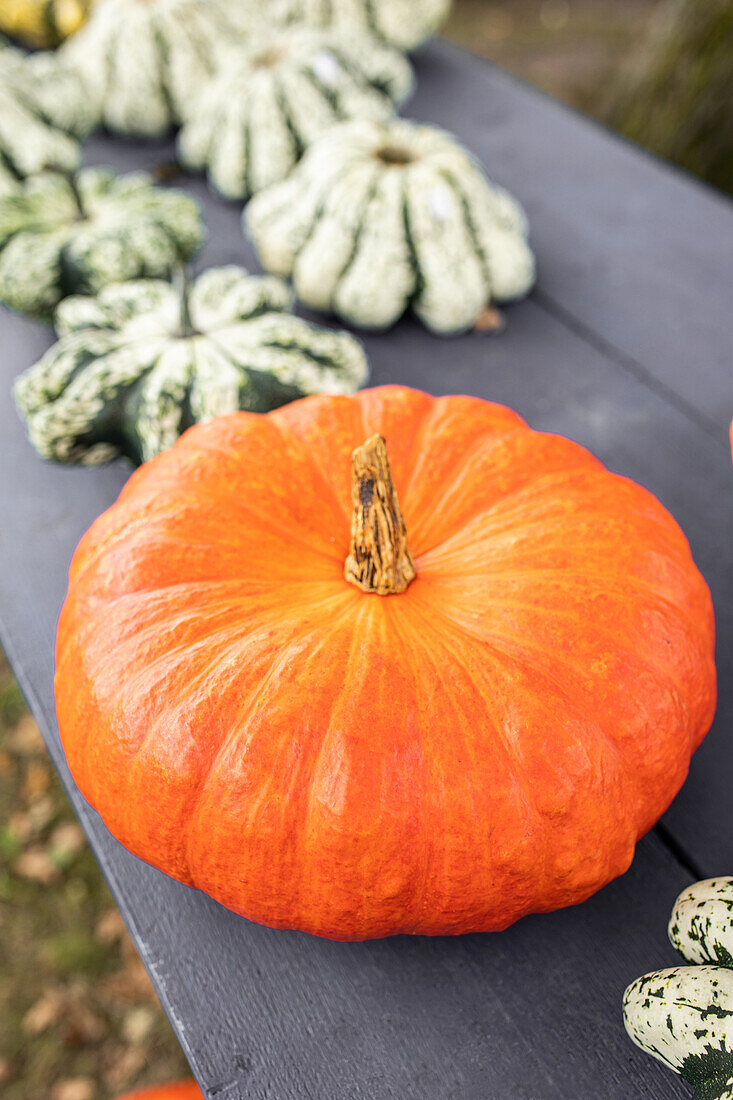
(659, 71)
(78, 1017)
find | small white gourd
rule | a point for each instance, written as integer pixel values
(379, 217)
(280, 92)
(683, 1016)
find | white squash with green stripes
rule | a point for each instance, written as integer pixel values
(147, 60)
(67, 234)
(401, 23)
(381, 216)
(44, 108)
(281, 92)
(701, 925)
(684, 1018)
(137, 365)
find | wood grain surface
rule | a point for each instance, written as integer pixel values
(626, 347)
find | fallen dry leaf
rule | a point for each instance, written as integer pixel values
(489, 320)
(8, 1071)
(138, 1024)
(37, 779)
(123, 1065)
(130, 985)
(28, 824)
(110, 927)
(26, 738)
(74, 1088)
(67, 840)
(36, 865)
(44, 1013)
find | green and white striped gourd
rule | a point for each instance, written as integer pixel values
(684, 1016)
(44, 108)
(401, 23)
(278, 94)
(140, 363)
(69, 234)
(701, 925)
(147, 60)
(377, 217)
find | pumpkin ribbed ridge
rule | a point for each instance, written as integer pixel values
(278, 94)
(125, 379)
(381, 216)
(490, 742)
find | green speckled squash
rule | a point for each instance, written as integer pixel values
(147, 60)
(62, 235)
(701, 925)
(684, 1018)
(44, 108)
(401, 23)
(281, 92)
(143, 361)
(379, 217)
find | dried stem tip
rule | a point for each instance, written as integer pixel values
(379, 560)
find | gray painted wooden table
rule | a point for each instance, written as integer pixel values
(626, 346)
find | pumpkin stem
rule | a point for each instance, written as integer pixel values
(182, 285)
(379, 560)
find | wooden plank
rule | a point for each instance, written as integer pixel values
(534, 1012)
(268, 1014)
(637, 256)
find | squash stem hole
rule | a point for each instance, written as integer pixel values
(394, 155)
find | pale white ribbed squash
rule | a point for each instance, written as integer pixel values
(381, 216)
(147, 60)
(279, 93)
(401, 23)
(44, 108)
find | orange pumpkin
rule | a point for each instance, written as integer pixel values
(476, 720)
(181, 1090)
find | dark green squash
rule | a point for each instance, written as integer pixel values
(140, 363)
(74, 234)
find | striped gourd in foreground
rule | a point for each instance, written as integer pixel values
(684, 1016)
(148, 60)
(145, 360)
(701, 925)
(44, 108)
(73, 234)
(401, 23)
(42, 22)
(379, 217)
(278, 94)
